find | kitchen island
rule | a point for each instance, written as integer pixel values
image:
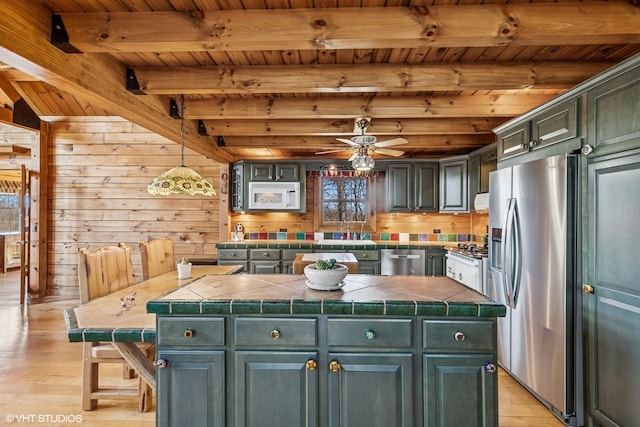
(382, 351)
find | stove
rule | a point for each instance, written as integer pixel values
(468, 264)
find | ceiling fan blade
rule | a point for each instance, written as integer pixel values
(390, 142)
(353, 156)
(333, 151)
(348, 141)
(389, 152)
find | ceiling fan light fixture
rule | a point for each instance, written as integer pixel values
(363, 163)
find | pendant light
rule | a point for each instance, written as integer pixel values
(180, 179)
(363, 161)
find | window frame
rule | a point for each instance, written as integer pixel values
(334, 226)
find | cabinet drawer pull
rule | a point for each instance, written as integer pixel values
(265, 255)
(459, 336)
(161, 363)
(188, 333)
(365, 256)
(370, 335)
(274, 334)
(311, 364)
(334, 366)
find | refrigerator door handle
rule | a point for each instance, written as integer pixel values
(516, 245)
(507, 252)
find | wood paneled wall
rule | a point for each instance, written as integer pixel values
(99, 171)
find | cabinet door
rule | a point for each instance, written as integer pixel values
(264, 267)
(276, 389)
(237, 188)
(261, 171)
(458, 392)
(287, 172)
(368, 267)
(514, 141)
(426, 187)
(400, 187)
(453, 186)
(612, 306)
(614, 123)
(558, 124)
(436, 263)
(191, 389)
(371, 390)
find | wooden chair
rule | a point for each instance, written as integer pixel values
(157, 257)
(100, 272)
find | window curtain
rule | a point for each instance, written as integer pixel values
(345, 173)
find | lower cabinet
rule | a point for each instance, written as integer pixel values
(191, 392)
(459, 391)
(322, 370)
(370, 390)
(436, 262)
(276, 388)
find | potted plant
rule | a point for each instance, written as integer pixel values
(184, 268)
(325, 275)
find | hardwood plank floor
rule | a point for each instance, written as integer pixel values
(41, 374)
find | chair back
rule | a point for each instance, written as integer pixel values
(157, 257)
(103, 271)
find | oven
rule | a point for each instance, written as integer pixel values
(468, 268)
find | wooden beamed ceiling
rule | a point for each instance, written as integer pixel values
(281, 82)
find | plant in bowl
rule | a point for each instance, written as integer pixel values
(325, 275)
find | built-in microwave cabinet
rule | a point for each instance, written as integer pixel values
(552, 126)
(279, 171)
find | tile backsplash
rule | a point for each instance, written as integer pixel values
(399, 237)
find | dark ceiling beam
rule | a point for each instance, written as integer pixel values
(25, 45)
(367, 78)
(522, 24)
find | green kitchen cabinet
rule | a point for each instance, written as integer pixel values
(276, 388)
(454, 185)
(278, 171)
(458, 391)
(368, 260)
(412, 187)
(538, 130)
(237, 187)
(372, 390)
(264, 261)
(234, 257)
(436, 262)
(612, 289)
(177, 404)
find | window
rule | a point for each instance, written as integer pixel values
(344, 200)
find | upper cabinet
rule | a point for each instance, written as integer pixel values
(412, 187)
(279, 171)
(554, 125)
(614, 122)
(454, 185)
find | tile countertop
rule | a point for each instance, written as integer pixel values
(361, 295)
(312, 244)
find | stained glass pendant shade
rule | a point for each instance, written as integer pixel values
(180, 179)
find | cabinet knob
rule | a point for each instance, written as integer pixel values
(161, 363)
(587, 289)
(188, 333)
(370, 335)
(312, 364)
(334, 366)
(232, 254)
(490, 368)
(265, 255)
(459, 336)
(365, 256)
(274, 334)
(533, 143)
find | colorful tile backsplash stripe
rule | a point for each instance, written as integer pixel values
(393, 237)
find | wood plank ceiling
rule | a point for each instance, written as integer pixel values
(265, 80)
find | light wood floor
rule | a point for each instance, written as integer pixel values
(40, 374)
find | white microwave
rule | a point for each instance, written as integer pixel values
(274, 195)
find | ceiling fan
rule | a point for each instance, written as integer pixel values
(366, 144)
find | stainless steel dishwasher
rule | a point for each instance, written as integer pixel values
(402, 262)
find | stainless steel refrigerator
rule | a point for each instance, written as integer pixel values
(534, 270)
